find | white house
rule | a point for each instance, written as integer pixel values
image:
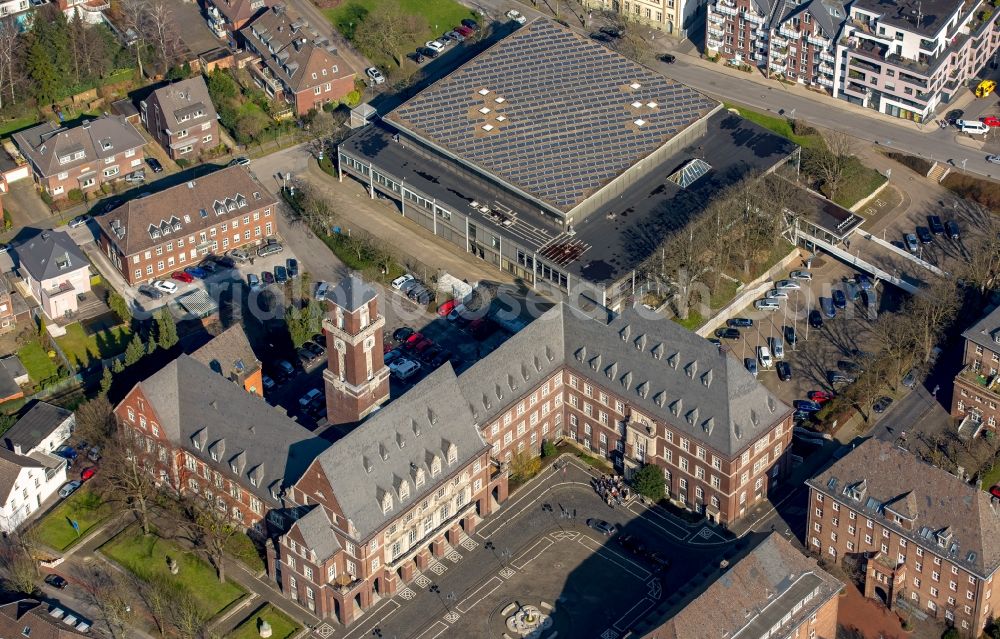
(25, 483)
(41, 429)
(55, 271)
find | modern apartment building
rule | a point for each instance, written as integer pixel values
(925, 540)
(82, 157)
(182, 118)
(977, 385)
(295, 63)
(151, 237)
(908, 58)
(802, 42)
(738, 30)
(226, 17)
(772, 591)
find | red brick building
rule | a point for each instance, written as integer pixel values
(772, 591)
(82, 157)
(295, 64)
(151, 237)
(182, 118)
(925, 540)
(226, 17)
(977, 385)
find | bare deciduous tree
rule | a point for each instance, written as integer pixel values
(206, 524)
(126, 478)
(9, 46)
(386, 29)
(18, 567)
(830, 164)
(111, 593)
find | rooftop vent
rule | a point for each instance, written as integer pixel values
(484, 110)
(651, 105)
(484, 92)
(636, 104)
(487, 127)
(498, 100)
(635, 86)
(689, 173)
(639, 122)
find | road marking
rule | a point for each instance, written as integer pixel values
(521, 558)
(441, 628)
(465, 606)
(610, 555)
(366, 629)
(629, 618)
(636, 510)
(451, 617)
(500, 523)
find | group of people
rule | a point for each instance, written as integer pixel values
(612, 489)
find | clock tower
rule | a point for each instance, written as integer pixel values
(356, 378)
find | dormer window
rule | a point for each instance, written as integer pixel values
(386, 503)
(436, 466)
(253, 481)
(419, 479)
(232, 467)
(215, 457)
(452, 454)
(404, 490)
(197, 444)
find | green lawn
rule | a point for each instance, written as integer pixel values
(991, 477)
(242, 548)
(36, 361)
(781, 126)
(441, 16)
(281, 626)
(80, 348)
(146, 557)
(84, 507)
(859, 182)
(11, 126)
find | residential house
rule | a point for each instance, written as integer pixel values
(55, 271)
(13, 376)
(82, 157)
(772, 591)
(204, 435)
(909, 58)
(151, 237)
(295, 64)
(802, 42)
(738, 30)
(32, 619)
(43, 428)
(924, 539)
(182, 118)
(226, 17)
(977, 385)
(229, 354)
(26, 481)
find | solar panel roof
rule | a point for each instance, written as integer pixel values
(552, 113)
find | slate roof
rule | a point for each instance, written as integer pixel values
(32, 615)
(188, 207)
(551, 113)
(351, 293)
(668, 372)
(194, 404)
(229, 354)
(98, 139)
(10, 369)
(830, 15)
(294, 52)
(35, 425)
(754, 595)
(50, 254)
(238, 10)
(185, 98)
(318, 533)
(897, 480)
(11, 465)
(387, 449)
(986, 332)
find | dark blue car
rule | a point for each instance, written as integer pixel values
(196, 271)
(806, 405)
(826, 304)
(839, 299)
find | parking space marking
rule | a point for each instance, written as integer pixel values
(466, 605)
(500, 523)
(451, 617)
(609, 634)
(635, 509)
(439, 626)
(365, 630)
(613, 556)
(506, 573)
(633, 614)
(521, 558)
(422, 581)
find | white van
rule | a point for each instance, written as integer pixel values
(972, 126)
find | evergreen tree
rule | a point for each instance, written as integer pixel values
(44, 78)
(117, 367)
(166, 330)
(134, 351)
(649, 482)
(106, 381)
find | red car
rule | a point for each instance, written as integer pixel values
(819, 396)
(995, 491)
(465, 31)
(88, 473)
(990, 120)
(423, 345)
(181, 276)
(412, 340)
(447, 307)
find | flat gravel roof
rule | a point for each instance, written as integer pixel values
(551, 113)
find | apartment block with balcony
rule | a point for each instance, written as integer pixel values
(151, 237)
(802, 42)
(82, 157)
(976, 396)
(738, 31)
(182, 118)
(910, 58)
(927, 542)
(295, 63)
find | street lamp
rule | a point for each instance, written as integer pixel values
(445, 598)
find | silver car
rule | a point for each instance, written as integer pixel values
(993, 159)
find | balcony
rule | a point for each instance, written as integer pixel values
(819, 41)
(715, 45)
(826, 69)
(715, 18)
(726, 10)
(789, 32)
(827, 82)
(779, 54)
(718, 33)
(826, 55)
(777, 66)
(753, 17)
(864, 64)
(779, 41)
(984, 382)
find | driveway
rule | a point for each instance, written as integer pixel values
(26, 207)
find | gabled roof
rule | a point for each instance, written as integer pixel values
(184, 209)
(986, 332)
(30, 619)
(238, 10)
(755, 595)
(194, 404)
(351, 293)
(830, 15)
(318, 533)
(897, 481)
(293, 51)
(104, 137)
(11, 466)
(50, 254)
(41, 420)
(187, 98)
(389, 448)
(668, 372)
(229, 354)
